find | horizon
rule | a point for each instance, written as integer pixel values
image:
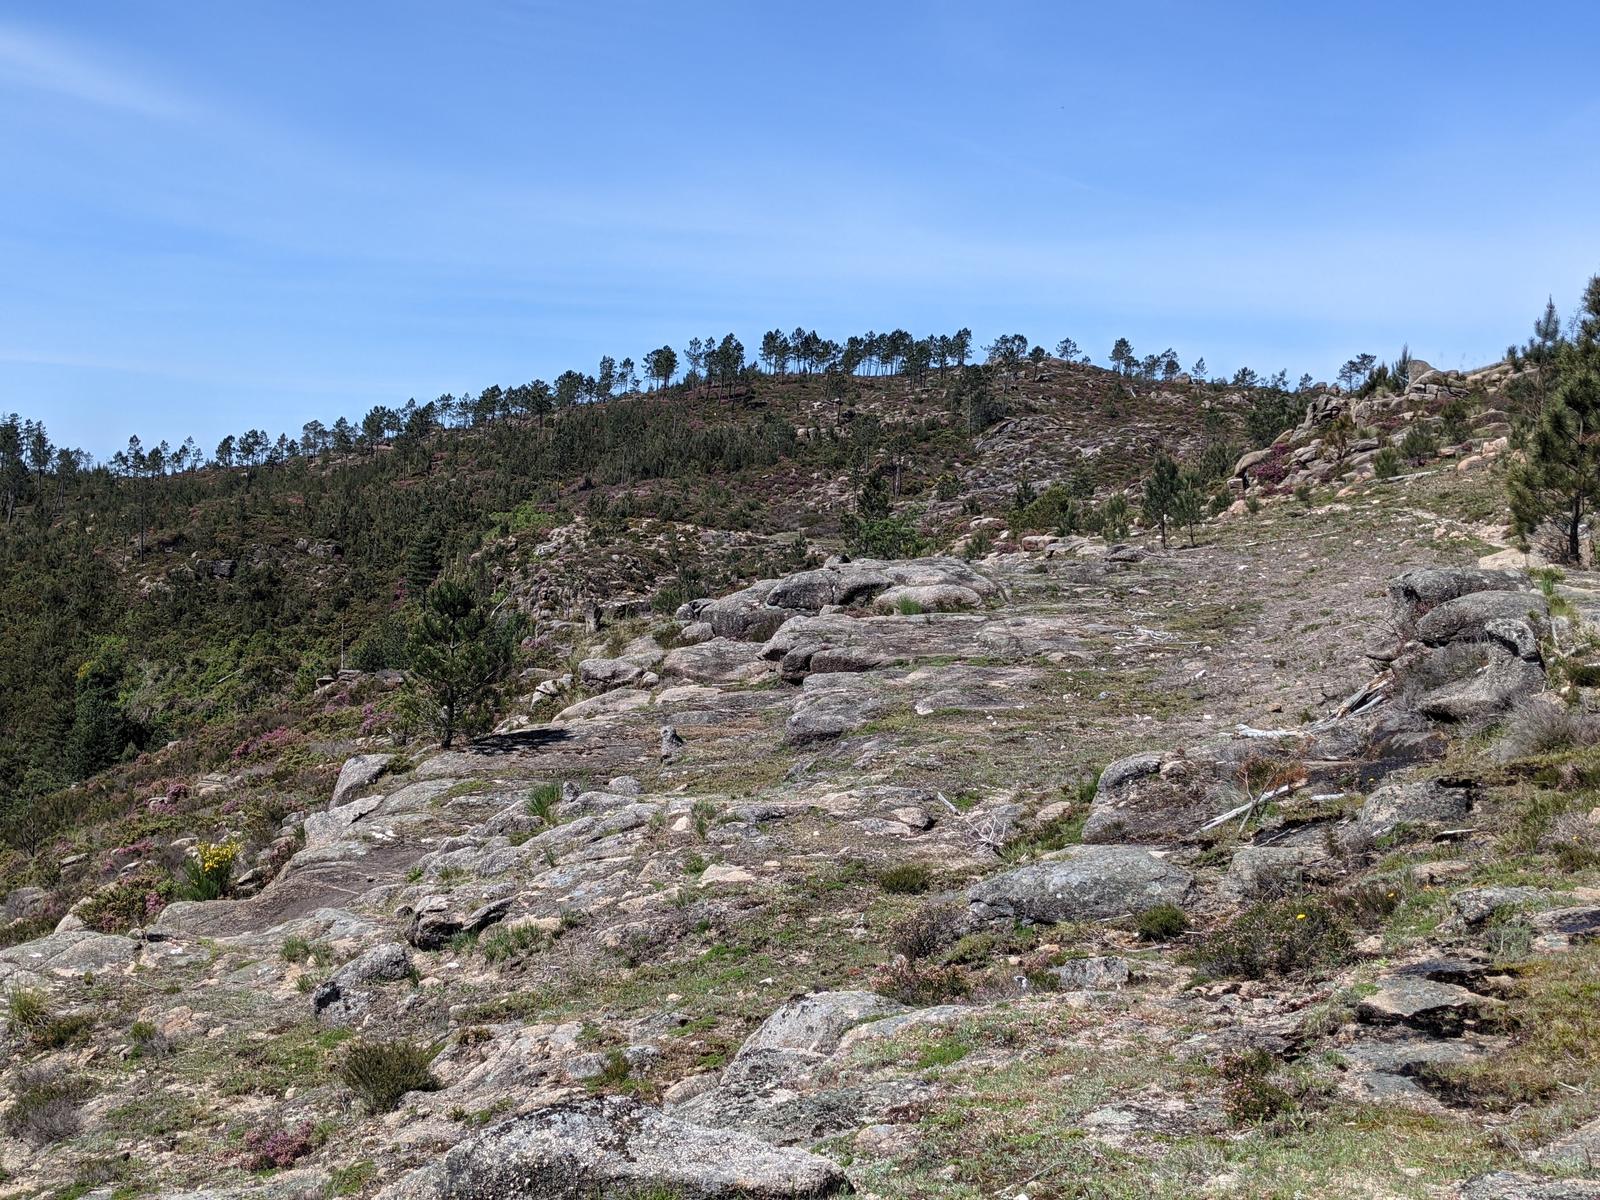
(229, 219)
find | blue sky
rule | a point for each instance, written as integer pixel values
(223, 215)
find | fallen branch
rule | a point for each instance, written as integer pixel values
(1250, 806)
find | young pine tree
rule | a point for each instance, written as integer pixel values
(1161, 492)
(461, 652)
(1559, 483)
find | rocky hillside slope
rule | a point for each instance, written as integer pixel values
(1264, 867)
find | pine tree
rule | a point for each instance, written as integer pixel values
(460, 654)
(423, 562)
(1187, 507)
(1559, 483)
(100, 728)
(1161, 491)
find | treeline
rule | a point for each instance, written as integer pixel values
(718, 365)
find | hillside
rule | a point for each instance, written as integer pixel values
(880, 804)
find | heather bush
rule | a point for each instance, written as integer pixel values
(919, 984)
(925, 932)
(45, 1106)
(266, 1148)
(127, 903)
(381, 1073)
(1279, 937)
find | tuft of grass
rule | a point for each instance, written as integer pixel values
(616, 1072)
(541, 804)
(1162, 923)
(381, 1073)
(503, 943)
(29, 1017)
(27, 1009)
(297, 949)
(906, 879)
(1546, 727)
(348, 1181)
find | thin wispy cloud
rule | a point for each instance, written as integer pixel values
(32, 62)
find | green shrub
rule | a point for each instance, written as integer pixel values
(1065, 830)
(1162, 923)
(381, 1073)
(907, 607)
(59, 1032)
(146, 1041)
(348, 1181)
(1115, 518)
(906, 879)
(974, 949)
(1278, 937)
(943, 1053)
(1387, 463)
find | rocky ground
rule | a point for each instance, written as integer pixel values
(1264, 867)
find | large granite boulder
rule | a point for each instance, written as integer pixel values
(1153, 798)
(1082, 883)
(358, 773)
(1467, 618)
(1416, 592)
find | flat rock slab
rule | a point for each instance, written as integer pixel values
(815, 1023)
(1466, 617)
(720, 660)
(71, 952)
(615, 1146)
(1386, 1064)
(1508, 1185)
(1580, 1148)
(1442, 1008)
